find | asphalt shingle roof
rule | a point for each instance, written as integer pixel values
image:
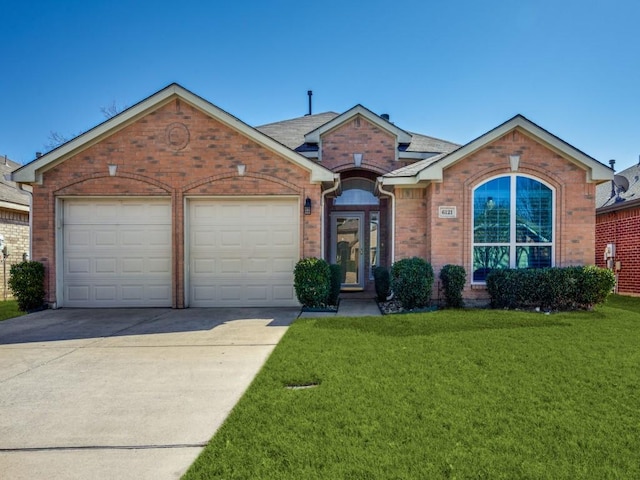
(423, 143)
(413, 168)
(291, 133)
(9, 191)
(603, 191)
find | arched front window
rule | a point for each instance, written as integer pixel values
(512, 225)
(357, 191)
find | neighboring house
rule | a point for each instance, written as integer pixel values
(618, 227)
(174, 202)
(14, 223)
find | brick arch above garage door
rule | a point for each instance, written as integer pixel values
(242, 252)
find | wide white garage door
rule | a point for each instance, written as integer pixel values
(242, 252)
(117, 253)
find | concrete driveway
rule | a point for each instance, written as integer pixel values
(124, 393)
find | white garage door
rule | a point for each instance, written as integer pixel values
(117, 253)
(242, 252)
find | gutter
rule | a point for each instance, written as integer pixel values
(627, 204)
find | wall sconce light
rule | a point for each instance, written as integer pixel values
(241, 168)
(357, 159)
(514, 160)
(307, 206)
(112, 169)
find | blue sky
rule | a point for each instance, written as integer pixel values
(450, 69)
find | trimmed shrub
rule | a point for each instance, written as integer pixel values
(382, 281)
(453, 279)
(411, 281)
(335, 273)
(26, 281)
(568, 288)
(312, 282)
(594, 285)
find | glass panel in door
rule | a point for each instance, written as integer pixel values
(347, 247)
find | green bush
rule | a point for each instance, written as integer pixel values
(335, 273)
(26, 281)
(568, 288)
(382, 282)
(453, 279)
(411, 281)
(312, 282)
(595, 285)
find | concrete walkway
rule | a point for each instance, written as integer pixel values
(349, 307)
(127, 393)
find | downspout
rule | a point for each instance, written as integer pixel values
(336, 185)
(30, 253)
(393, 218)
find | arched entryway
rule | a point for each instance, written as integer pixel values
(356, 230)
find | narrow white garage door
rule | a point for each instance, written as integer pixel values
(117, 253)
(242, 252)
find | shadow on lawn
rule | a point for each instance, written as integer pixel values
(425, 326)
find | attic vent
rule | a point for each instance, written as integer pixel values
(385, 116)
(356, 122)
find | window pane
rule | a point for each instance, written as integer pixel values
(487, 258)
(533, 212)
(533, 257)
(492, 209)
(374, 241)
(357, 191)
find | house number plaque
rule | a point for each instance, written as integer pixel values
(447, 212)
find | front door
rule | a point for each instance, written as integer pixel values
(347, 247)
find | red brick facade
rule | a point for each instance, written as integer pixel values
(358, 135)
(175, 151)
(420, 231)
(621, 228)
(181, 147)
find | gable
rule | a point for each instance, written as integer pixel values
(358, 140)
(402, 136)
(432, 169)
(32, 172)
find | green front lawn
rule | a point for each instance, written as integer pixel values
(461, 394)
(9, 309)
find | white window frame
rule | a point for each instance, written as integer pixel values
(512, 244)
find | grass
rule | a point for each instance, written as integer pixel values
(9, 309)
(466, 394)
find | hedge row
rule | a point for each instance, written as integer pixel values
(568, 288)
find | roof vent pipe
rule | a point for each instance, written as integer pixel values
(385, 116)
(612, 162)
(310, 94)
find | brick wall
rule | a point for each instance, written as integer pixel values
(358, 135)
(419, 230)
(622, 228)
(14, 226)
(411, 223)
(175, 151)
